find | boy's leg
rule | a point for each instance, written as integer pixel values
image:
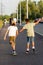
(12, 42)
(28, 44)
(33, 44)
(12, 45)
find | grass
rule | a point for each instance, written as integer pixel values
(1, 23)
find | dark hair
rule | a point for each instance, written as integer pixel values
(13, 24)
(27, 20)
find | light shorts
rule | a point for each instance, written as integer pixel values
(30, 39)
(12, 38)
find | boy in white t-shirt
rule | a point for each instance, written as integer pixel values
(30, 33)
(12, 32)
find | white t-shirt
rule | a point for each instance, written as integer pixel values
(12, 30)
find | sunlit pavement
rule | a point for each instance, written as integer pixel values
(6, 58)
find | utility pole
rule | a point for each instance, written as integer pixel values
(27, 8)
(1, 7)
(20, 12)
(17, 14)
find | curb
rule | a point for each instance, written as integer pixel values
(39, 33)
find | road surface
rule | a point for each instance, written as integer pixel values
(21, 59)
(39, 29)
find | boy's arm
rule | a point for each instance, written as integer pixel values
(17, 33)
(5, 35)
(38, 21)
(21, 30)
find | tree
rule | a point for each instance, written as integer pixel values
(35, 10)
(23, 10)
(40, 4)
(13, 15)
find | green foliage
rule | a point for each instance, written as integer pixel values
(1, 23)
(4, 17)
(40, 4)
(35, 10)
(13, 15)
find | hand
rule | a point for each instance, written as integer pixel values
(20, 31)
(39, 19)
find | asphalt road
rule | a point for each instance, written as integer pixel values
(21, 59)
(39, 29)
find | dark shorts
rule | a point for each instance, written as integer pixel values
(30, 39)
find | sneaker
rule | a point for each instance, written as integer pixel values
(14, 53)
(27, 52)
(33, 50)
